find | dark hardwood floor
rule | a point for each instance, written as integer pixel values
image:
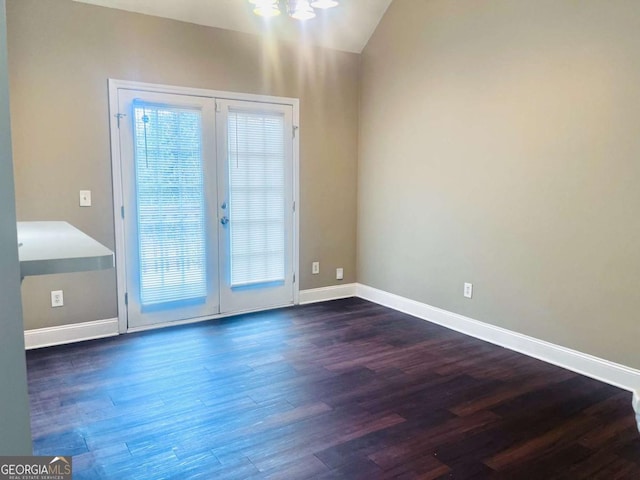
(344, 389)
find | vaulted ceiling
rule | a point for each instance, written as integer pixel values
(347, 27)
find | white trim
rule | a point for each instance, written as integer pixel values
(77, 332)
(116, 170)
(296, 199)
(594, 367)
(189, 321)
(199, 92)
(118, 203)
(325, 294)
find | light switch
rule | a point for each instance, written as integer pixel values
(85, 198)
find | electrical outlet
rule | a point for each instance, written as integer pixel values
(85, 198)
(468, 290)
(57, 299)
(339, 274)
(315, 268)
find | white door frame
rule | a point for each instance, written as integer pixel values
(118, 201)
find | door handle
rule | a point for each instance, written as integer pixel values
(224, 220)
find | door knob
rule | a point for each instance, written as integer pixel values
(224, 220)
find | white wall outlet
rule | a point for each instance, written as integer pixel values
(85, 198)
(57, 299)
(315, 268)
(468, 290)
(339, 274)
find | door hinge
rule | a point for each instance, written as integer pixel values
(294, 206)
(294, 278)
(293, 133)
(217, 106)
(119, 116)
(126, 299)
(122, 211)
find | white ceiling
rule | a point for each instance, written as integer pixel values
(346, 27)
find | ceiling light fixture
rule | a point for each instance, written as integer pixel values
(266, 8)
(302, 11)
(324, 3)
(298, 9)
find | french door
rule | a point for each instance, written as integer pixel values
(255, 199)
(208, 210)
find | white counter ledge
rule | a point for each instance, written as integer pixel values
(58, 247)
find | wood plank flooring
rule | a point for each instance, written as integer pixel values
(345, 389)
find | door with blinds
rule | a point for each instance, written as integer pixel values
(256, 208)
(169, 192)
(207, 211)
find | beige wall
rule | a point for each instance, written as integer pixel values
(60, 56)
(15, 432)
(500, 145)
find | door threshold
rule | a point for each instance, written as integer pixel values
(144, 328)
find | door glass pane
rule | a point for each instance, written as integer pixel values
(256, 197)
(170, 204)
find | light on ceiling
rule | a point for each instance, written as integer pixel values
(324, 3)
(302, 11)
(266, 8)
(298, 9)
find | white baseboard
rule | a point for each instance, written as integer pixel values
(47, 337)
(325, 294)
(594, 367)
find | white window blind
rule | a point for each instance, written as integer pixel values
(256, 197)
(170, 204)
